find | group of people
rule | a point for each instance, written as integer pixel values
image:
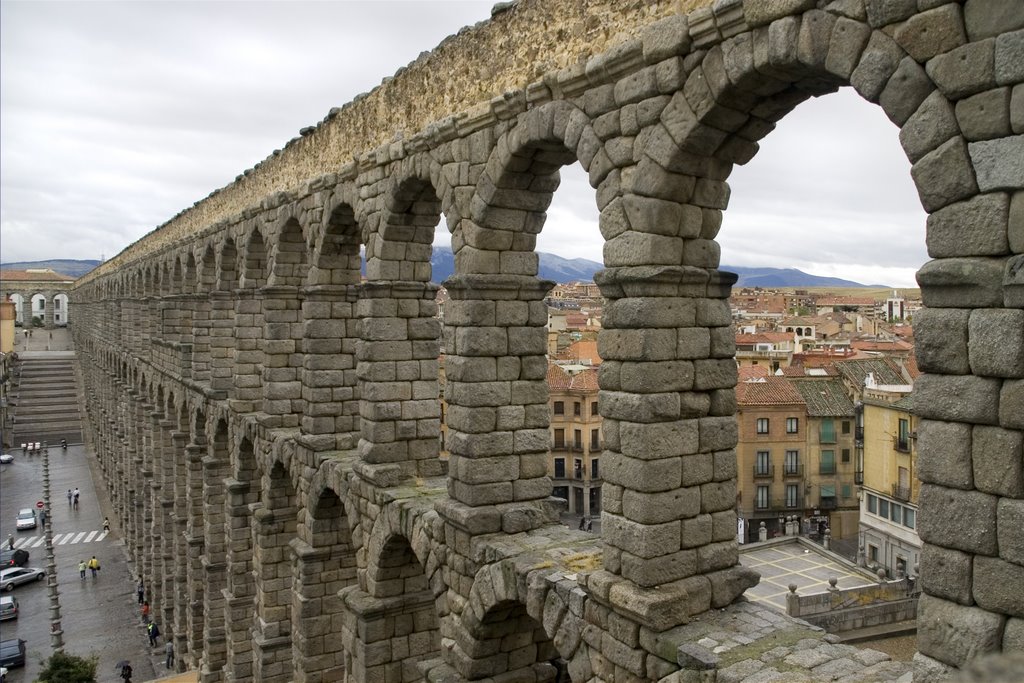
(92, 565)
(73, 497)
(152, 630)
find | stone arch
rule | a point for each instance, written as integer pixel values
(507, 211)
(336, 256)
(289, 256)
(255, 264)
(216, 466)
(400, 248)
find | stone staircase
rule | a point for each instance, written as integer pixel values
(46, 401)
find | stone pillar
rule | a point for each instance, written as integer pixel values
(173, 540)
(386, 638)
(194, 539)
(496, 371)
(48, 310)
(214, 561)
(667, 399)
(247, 392)
(398, 378)
(317, 649)
(240, 592)
(281, 364)
(271, 637)
(26, 312)
(330, 419)
(200, 338)
(222, 341)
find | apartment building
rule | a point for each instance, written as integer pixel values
(888, 505)
(830, 484)
(770, 455)
(576, 440)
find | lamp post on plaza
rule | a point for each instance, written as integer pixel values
(56, 632)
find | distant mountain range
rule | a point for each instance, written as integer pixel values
(72, 267)
(552, 267)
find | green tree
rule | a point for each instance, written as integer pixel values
(67, 668)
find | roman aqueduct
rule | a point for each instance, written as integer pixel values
(268, 423)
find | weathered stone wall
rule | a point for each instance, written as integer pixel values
(299, 406)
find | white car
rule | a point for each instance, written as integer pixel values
(7, 458)
(26, 519)
(15, 576)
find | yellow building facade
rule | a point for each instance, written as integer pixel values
(576, 441)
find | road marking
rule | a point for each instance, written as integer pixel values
(70, 538)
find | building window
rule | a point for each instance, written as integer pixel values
(577, 469)
(577, 409)
(763, 466)
(594, 469)
(595, 439)
(828, 462)
(593, 409)
(872, 504)
(873, 552)
(793, 462)
(897, 513)
(846, 455)
(883, 508)
(903, 438)
(792, 425)
(559, 468)
(559, 438)
(847, 491)
(828, 432)
(577, 439)
(846, 427)
(559, 408)
(560, 492)
(762, 425)
(761, 501)
(792, 495)
(908, 517)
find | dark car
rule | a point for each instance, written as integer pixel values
(12, 652)
(13, 558)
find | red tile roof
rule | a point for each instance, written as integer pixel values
(753, 372)
(39, 276)
(769, 391)
(560, 380)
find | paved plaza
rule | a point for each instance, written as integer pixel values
(802, 563)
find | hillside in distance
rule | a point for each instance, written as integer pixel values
(560, 269)
(72, 267)
(552, 267)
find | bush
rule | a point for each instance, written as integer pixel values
(66, 668)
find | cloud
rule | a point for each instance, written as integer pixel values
(114, 116)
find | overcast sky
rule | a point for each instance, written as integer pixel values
(114, 116)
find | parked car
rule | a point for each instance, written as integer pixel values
(26, 519)
(7, 458)
(15, 576)
(12, 652)
(8, 607)
(13, 558)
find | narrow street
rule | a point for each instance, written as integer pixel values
(99, 616)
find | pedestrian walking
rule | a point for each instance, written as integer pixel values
(169, 651)
(76, 497)
(126, 673)
(590, 525)
(94, 566)
(10, 541)
(145, 612)
(69, 497)
(81, 569)
(582, 523)
(42, 518)
(154, 632)
(106, 524)
(141, 592)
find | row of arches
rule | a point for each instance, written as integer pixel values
(48, 308)
(258, 352)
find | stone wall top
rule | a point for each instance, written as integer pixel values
(519, 44)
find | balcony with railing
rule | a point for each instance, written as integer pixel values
(794, 470)
(901, 443)
(901, 492)
(764, 471)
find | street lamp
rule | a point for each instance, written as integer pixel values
(56, 632)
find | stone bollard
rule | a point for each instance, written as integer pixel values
(762, 533)
(827, 540)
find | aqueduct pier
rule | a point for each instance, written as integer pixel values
(268, 423)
